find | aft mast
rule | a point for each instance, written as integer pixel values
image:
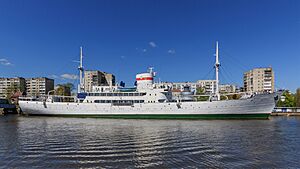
(80, 68)
(217, 65)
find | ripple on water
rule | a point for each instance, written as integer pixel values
(41, 142)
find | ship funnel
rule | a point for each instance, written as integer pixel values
(144, 81)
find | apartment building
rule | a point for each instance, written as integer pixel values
(97, 78)
(9, 84)
(208, 85)
(39, 86)
(259, 80)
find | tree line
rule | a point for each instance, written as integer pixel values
(290, 99)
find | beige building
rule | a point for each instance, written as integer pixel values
(97, 78)
(227, 88)
(39, 86)
(259, 80)
(208, 85)
(11, 83)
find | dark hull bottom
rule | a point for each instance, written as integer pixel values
(168, 116)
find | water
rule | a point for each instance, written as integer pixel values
(50, 142)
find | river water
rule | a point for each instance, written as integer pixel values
(50, 142)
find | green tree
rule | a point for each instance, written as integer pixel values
(289, 100)
(298, 97)
(200, 90)
(63, 89)
(70, 86)
(202, 98)
(222, 97)
(234, 96)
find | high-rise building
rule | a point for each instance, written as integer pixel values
(9, 84)
(97, 78)
(39, 86)
(259, 80)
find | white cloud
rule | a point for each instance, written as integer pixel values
(53, 76)
(171, 51)
(144, 50)
(76, 61)
(122, 57)
(5, 62)
(153, 44)
(69, 76)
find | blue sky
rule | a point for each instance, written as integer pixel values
(42, 38)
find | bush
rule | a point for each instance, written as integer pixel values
(202, 98)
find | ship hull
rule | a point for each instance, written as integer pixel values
(258, 107)
(167, 116)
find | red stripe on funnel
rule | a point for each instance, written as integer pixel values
(144, 78)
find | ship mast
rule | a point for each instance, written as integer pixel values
(217, 65)
(80, 68)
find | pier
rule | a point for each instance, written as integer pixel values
(286, 111)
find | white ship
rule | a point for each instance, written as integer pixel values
(150, 100)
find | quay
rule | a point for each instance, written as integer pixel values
(286, 111)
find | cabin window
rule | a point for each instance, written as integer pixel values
(130, 94)
(161, 100)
